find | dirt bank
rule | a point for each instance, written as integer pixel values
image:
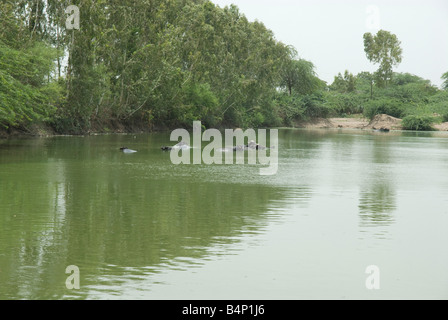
(442, 126)
(45, 130)
(384, 121)
(358, 122)
(380, 121)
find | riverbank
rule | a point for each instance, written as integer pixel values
(45, 130)
(381, 121)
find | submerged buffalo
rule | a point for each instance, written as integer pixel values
(381, 129)
(127, 150)
(252, 145)
(181, 145)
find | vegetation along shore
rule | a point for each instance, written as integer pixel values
(162, 64)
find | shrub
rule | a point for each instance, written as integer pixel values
(419, 123)
(271, 115)
(289, 107)
(391, 107)
(199, 102)
(344, 104)
(445, 117)
(315, 106)
(25, 92)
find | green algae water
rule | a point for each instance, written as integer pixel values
(137, 226)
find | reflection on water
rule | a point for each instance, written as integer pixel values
(377, 195)
(63, 205)
(138, 226)
(376, 206)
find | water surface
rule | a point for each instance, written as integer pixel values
(139, 227)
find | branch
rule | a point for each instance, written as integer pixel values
(144, 102)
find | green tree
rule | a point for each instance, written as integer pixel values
(383, 49)
(133, 62)
(299, 75)
(28, 90)
(445, 82)
(346, 83)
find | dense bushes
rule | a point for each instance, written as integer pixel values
(438, 104)
(290, 108)
(419, 123)
(296, 107)
(392, 107)
(314, 106)
(25, 95)
(200, 103)
(344, 104)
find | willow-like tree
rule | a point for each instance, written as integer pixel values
(383, 48)
(299, 76)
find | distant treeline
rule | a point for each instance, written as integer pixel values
(166, 63)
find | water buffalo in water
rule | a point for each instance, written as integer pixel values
(181, 145)
(127, 150)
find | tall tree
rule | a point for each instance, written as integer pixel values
(445, 82)
(383, 48)
(299, 75)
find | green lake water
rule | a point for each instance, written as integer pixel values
(139, 227)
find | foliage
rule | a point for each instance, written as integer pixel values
(437, 105)
(164, 61)
(297, 107)
(200, 103)
(383, 49)
(392, 107)
(168, 62)
(445, 81)
(314, 105)
(344, 104)
(25, 93)
(405, 95)
(419, 123)
(346, 83)
(299, 75)
(290, 108)
(445, 117)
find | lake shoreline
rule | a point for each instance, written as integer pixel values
(354, 122)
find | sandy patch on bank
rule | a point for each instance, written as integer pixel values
(351, 123)
(384, 121)
(316, 123)
(380, 121)
(441, 126)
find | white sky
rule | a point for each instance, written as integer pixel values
(329, 33)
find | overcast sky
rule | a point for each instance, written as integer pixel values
(329, 33)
